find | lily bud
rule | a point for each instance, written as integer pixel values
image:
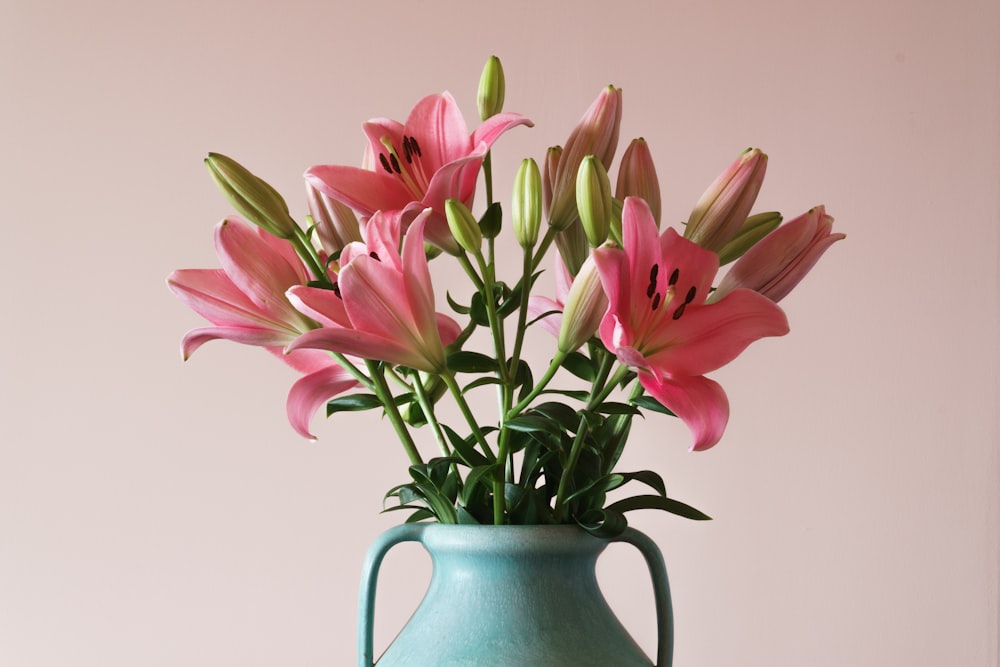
(585, 307)
(637, 177)
(573, 246)
(526, 205)
(463, 225)
(336, 223)
(593, 200)
(254, 199)
(491, 89)
(753, 230)
(596, 134)
(782, 258)
(724, 207)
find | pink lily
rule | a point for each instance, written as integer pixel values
(383, 307)
(658, 321)
(776, 264)
(245, 301)
(420, 164)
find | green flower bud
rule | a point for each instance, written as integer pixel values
(526, 207)
(491, 89)
(463, 226)
(593, 200)
(254, 199)
(754, 229)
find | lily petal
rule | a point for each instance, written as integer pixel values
(700, 402)
(311, 391)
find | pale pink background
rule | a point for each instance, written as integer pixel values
(158, 513)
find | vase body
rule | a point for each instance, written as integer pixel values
(513, 596)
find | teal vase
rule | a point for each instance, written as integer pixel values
(512, 596)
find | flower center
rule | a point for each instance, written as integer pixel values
(667, 296)
(408, 166)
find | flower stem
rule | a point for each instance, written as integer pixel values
(392, 411)
(428, 407)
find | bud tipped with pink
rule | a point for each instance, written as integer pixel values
(335, 222)
(585, 307)
(722, 210)
(637, 177)
(782, 258)
(596, 134)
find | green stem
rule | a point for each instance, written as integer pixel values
(470, 419)
(308, 254)
(392, 411)
(539, 386)
(522, 315)
(428, 407)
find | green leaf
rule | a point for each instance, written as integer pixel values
(465, 448)
(577, 395)
(560, 413)
(477, 310)
(649, 478)
(612, 408)
(456, 306)
(532, 423)
(581, 366)
(491, 221)
(352, 403)
(465, 361)
(465, 517)
(605, 523)
(658, 503)
(473, 480)
(651, 404)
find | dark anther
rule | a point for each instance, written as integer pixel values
(414, 146)
(653, 272)
(374, 255)
(407, 151)
(385, 162)
(656, 301)
(673, 277)
(336, 290)
(690, 295)
(395, 163)
(651, 289)
(679, 311)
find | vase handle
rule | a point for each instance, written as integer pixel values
(661, 593)
(369, 576)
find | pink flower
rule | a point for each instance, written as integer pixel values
(383, 305)
(539, 305)
(580, 302)
(245, 301)
(658, 321)
(781, 259)
(417, 165)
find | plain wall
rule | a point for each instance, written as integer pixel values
(156, 513)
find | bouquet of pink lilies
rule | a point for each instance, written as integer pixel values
(638, 317)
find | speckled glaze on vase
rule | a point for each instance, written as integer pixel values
(512, 596)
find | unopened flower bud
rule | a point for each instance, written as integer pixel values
(637, 177)
(526, 205)
(573, 246)
(782, 258)
(585, 306)
(724, 207)
(596, 134)
(463, 225)
(491, 89)
(336, 223)
(254, 199)
(754, 229)
(593, 200)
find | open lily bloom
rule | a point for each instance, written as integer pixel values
(417, 165)
(540, 305)
(245, 302)
(383, 305)
(658, 321)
